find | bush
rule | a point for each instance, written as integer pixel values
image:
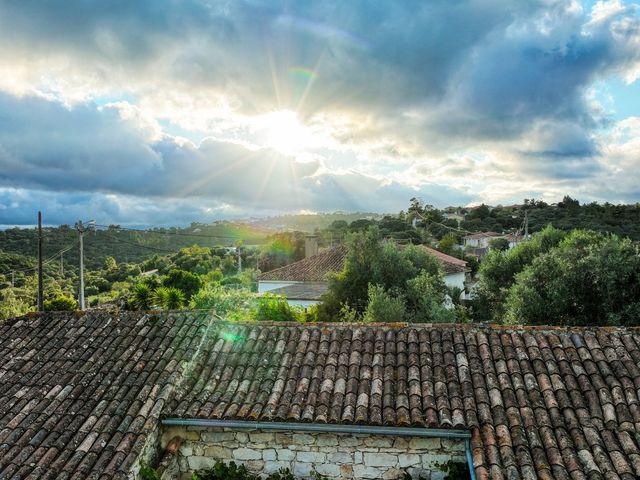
(230, 304)
(169, 298)
(275, 308)
(186, 282)
(142, 297)
(61, 303)
(382, 307)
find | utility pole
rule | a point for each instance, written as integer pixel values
(526, 225)
(40, 283)
(239, 261)
(81, 229)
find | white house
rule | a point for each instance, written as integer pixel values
(305, 281)
(480, 239)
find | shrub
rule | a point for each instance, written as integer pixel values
(274, 308)
(169, 298)
(382, 307)
(230, 304)
(142, 297)
(61, 303)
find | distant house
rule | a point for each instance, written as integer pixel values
(454, 214)
(455, 270)
(305, 281)
(480, 239)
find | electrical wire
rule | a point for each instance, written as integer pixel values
(44, 262)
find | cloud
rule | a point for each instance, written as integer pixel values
(466, 100)
(101, 159)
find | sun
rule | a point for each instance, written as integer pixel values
(284, 132)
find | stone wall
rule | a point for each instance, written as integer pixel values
(331, 455)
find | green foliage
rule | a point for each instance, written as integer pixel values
(186, 282)
(383, 307)
(11, 305)
(426, 299)
(143, 297)
(455, 470)
(274, 308)
(169, 298)
(110, 263)
(371, 260)
(147, 472)
(283, 248)
(588, 279)
(448, 243)
(230, 304)
(61, 303)
(499, 269)
(501, 244)
(383, 264)
(233, 471)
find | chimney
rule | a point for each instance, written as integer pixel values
(310, 245)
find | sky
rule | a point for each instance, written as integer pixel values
(164, 112)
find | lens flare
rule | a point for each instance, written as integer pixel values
(303, 73)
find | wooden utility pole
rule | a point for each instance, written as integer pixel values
(40, 283)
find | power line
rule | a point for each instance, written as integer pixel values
(45, 262)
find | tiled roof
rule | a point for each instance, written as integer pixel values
(311, 269)
(316, 267)
(477, 235)
(449, 264)
(81, 394)
(302, 291)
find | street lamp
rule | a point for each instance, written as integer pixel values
(81, 228)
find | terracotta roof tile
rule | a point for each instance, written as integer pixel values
(68, 383)
(82, 393)
(311, 269)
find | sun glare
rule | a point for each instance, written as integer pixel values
(285, 133)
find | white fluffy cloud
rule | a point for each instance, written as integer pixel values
(245, 107)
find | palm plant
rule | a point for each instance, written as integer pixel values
(142, 297)
(169, 298)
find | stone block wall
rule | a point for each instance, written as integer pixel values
(331, 455)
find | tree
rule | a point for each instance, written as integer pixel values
(498, 270)
(11, 306)
(231, 304)
(373, 261)
(426, 295)
(447, 243)
(499, 243)
(61, 303)
(186, 282)
(588, 279)
(110, 263)
(274, 308)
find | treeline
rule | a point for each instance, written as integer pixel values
(127, 246)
